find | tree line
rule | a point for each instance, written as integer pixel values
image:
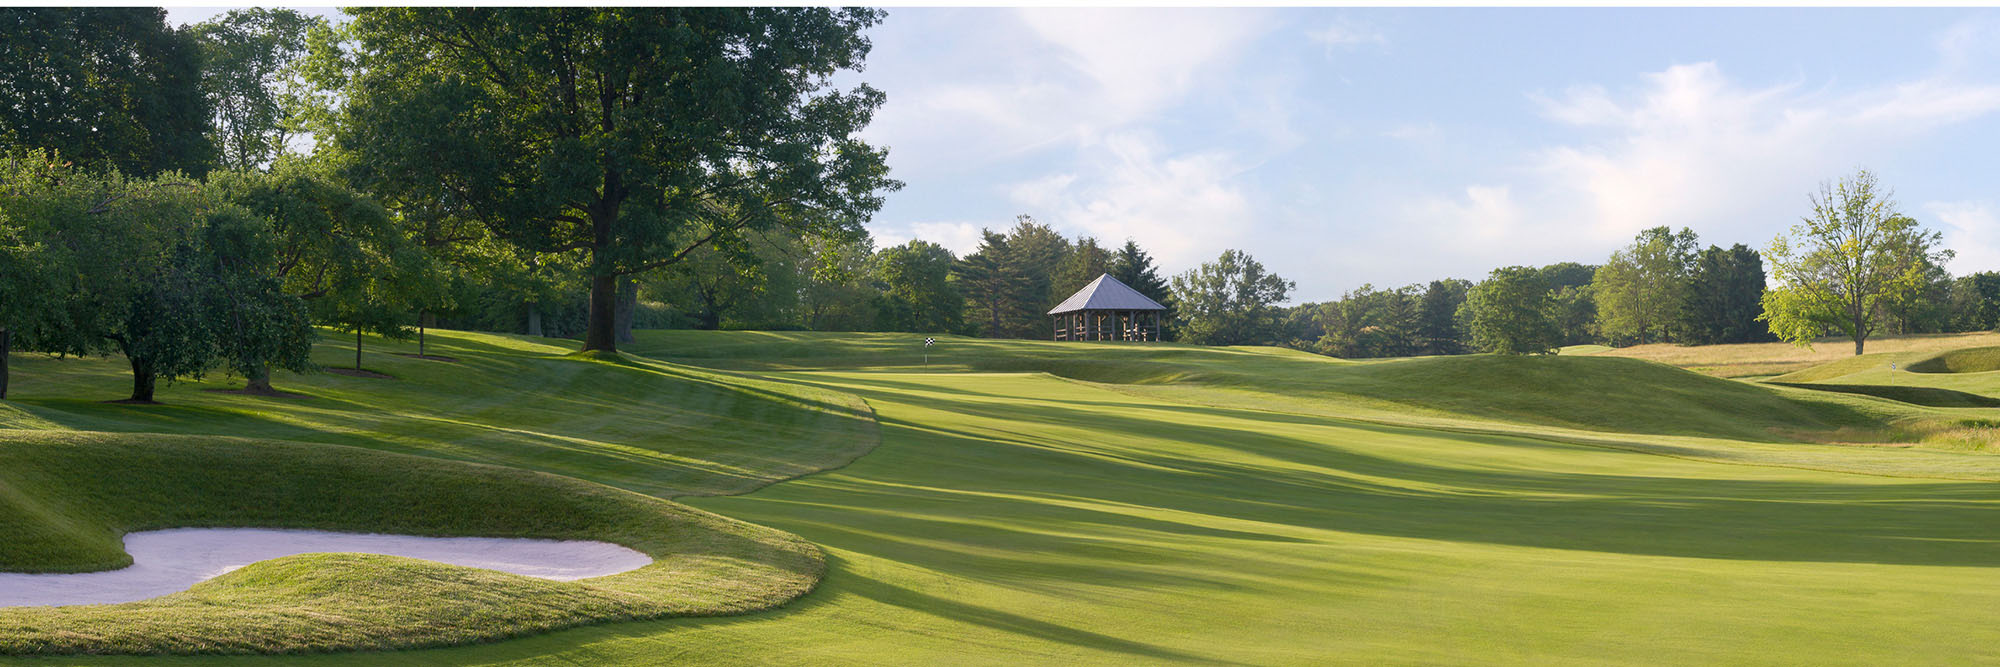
(1854, 267)
(199, 198)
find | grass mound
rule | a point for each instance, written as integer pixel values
(636, 424)
(1592, 392)
(67, 498)
(1969, 360)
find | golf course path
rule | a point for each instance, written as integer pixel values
(169, 561)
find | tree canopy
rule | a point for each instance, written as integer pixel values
(109, 87)
(1852, 256)
(1230, 301)
(633, 135)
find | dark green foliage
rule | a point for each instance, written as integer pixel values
(1975, 302)
(995, 287)
(1573, 311)
(1370, 323)
(1724, 298)
(1568, 274)
(1085, 262)
(1230, 301)
(153, 269)
(108, 87)
(917, 293)
(1131, 265)
(1039, 253)
(1439, 330)
(634, 135)
(1509, 312)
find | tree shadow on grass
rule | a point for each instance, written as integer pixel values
(1325, 477)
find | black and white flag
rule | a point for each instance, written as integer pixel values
(928, 341)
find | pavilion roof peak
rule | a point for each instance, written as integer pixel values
(1106, 293)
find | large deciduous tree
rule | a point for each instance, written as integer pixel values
(1852, 257)
(917, 293)
(1230, 301)
(1724, 296)
(248, 58)
(1509, 312)
(335, 249)
(104, 86)
(1639, 291)
(634, 135)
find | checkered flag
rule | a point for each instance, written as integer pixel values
(928, 341)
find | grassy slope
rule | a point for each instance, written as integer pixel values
(1585, 393)
(649, 427)
(1020, 517)
(1011, 518)
(76, 473)
(67, 497)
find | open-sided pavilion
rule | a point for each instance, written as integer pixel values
(1108, 310)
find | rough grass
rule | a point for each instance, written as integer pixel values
(66, 499)
(1764, 359)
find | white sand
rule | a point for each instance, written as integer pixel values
(169, 561)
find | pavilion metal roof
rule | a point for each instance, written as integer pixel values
(1106, 293)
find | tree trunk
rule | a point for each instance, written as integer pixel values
(142, 381)
(259, 380)
(628, 305)
(534, 321)
(6, 350)
(423, 318)
(357, 349)
(1858, 340)
(601, 334)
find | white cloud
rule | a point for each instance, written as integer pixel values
(1346, 33)
(1690, 147)
(960, 237)
(1972, 230)
(1182, 207)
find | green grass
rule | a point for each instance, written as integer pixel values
(1969, 360)
(66, 499)
(1588, 393)
(1020, 518)
(1052, 503)
(641, 425)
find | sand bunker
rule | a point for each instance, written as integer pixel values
(169, 561)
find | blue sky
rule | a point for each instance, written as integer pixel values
(1351, 146)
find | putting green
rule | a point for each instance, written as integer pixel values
(1011, 517)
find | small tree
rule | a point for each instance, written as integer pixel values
(1230, 301)
(1847, 261)
(1509, 312)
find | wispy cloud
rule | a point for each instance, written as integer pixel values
(1347, 33)
(1691, 147)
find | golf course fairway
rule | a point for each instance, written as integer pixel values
(1021, 517)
